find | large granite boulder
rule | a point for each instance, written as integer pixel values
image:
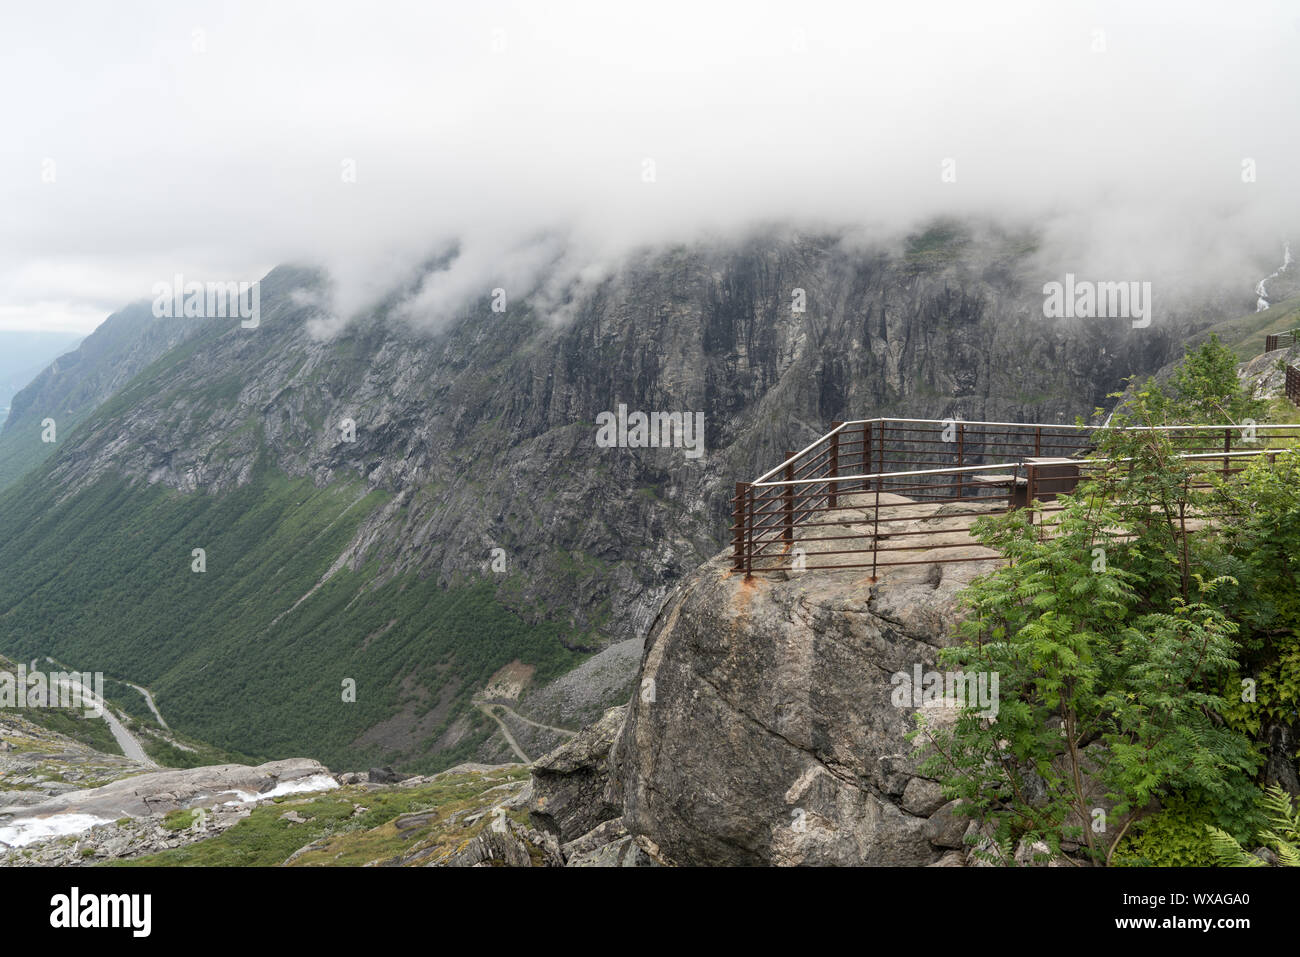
(763, 730)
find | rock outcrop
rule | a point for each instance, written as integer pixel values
(766, 733)
(1265, 375)
(763, 729)
(162, 791)
(570, 785)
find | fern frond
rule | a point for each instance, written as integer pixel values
(1227, 852)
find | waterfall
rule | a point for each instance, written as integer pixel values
(1262, 302)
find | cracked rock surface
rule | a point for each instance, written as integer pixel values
(763, 730)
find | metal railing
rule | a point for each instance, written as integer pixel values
(1282, 340)
(880, 493)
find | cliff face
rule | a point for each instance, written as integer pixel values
(764, 729)
(480, 437)
(485, 433)
(74, 384)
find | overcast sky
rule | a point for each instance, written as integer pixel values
(216, 140)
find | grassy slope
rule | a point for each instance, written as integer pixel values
(103, 582)
(1246, 334)
(72, 723)
(349, 837)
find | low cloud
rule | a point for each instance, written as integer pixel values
(544, 143)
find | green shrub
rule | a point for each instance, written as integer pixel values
(1135, 650)
(179, 820)
(1282, 835)
(1172, 837)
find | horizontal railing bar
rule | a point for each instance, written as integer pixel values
(931, 561)
(808, 448)
(928, 547)
(1061, 425)
(911, 467)
(992, 467)
(868, 507)
(901, 548)
(897, 518)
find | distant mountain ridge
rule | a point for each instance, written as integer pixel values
(374, 560)
(23, 354)
(77, 382)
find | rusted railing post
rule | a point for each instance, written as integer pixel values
(1227, 447)
(789, 501)
(834, 464)
(751, 504)
(961, 449)
(1038, 440)
(738, 527)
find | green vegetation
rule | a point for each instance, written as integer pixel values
(1137, 647)
(1282, 835)
(167, 748)
(348, 826)
(1246, 335)
(1174, 836)
(181, 819)
(251, 653)
(126, 699)
(1204, 388)
(159, 746)
(73, 723)
(938, 243)
(70, 722)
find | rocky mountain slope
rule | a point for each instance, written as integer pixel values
(65, 804)
(24, 354)
(376, 560)
(76, 383)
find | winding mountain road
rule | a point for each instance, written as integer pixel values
(490, 709)
(128, 742)
(130, 746)
(148, 699)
